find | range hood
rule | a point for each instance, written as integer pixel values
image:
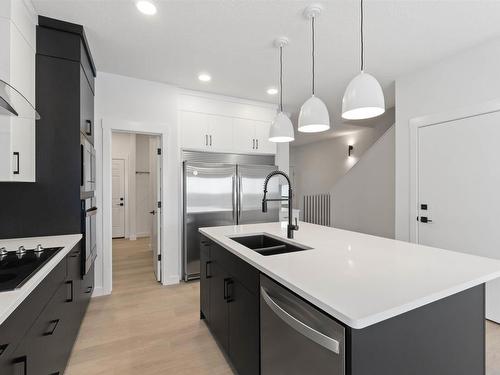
(13, 103)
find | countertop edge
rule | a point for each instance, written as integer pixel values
(367, 321)
(67, 242)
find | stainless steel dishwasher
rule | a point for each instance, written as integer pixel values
(296, 338)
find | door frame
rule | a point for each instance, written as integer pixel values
(169, 252)
(126, 225)
(429, 120)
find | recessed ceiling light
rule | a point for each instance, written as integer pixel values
(272, 91)
(146, 7)
(204, 77)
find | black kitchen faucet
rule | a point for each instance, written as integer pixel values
(291, 227)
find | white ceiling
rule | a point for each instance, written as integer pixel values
(232, 40)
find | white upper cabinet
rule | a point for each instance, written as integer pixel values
(201, 131)
(17, 67)
(217, 123)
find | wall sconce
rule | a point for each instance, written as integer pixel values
(350, 149)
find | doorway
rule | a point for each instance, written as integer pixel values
(136, 204)
(457, 179)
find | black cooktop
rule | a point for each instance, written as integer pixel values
(16, 269)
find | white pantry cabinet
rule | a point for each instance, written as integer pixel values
(200, 131)
(17, 67)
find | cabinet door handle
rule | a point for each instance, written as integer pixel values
(207, 269)
(88, 130)
(257, 144)
(253, 144)
(52, 327)
(206, 139)
(16, 155)
(20, 367)
(227, 282)
(70, 283)
(210, 139)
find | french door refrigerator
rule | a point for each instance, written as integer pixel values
(222, 194)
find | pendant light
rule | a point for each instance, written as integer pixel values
(281, 129)
(363, 97)
(313, 116)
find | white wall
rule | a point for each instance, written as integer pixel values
(462, 80)
(363, 200)
(318, 166)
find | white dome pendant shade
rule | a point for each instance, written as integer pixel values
(281, 128)
(363, 97)
(313, 116)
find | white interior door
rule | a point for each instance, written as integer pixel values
(155, 194)
(459, 181)
(118, 198)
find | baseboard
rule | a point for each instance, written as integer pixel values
(142, 235)
(171, 280)
(98, 292)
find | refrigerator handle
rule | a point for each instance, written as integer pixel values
(240, 196)
(235, 198)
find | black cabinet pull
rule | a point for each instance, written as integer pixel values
(207, 269)
(257, 144)
(52, 327)
(3, 348)
(16, 155)
(88, 130)
(20, 367)
(89, 289)
(210, 139)
(227, 282)
(229, 299)
(70, 283)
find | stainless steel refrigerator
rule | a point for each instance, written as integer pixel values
(222, 194)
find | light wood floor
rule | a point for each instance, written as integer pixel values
(145, 328)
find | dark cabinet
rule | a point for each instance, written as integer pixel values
(229, 290)
(86, 107)
(219, 312)
(38, 336)
(244, 329)
(205, 276)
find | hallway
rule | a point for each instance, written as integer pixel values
(143, 327)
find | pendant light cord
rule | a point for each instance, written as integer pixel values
(281, 78)
(362, 40)
(313, 53)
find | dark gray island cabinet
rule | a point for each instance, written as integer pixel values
(38, 336)
(445, 337)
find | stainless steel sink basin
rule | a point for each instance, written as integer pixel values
(267, 245)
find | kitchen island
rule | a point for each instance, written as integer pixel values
(404, 308)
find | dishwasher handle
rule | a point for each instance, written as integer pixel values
(314, 335)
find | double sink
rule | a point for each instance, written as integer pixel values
(267, 245)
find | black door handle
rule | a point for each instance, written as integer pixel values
(425, 219)
(16, 155)
(88, 130)
(152, 212)
(52, 327)
(121, 204)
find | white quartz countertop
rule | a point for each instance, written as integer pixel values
(360, 279)
(10, 300)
